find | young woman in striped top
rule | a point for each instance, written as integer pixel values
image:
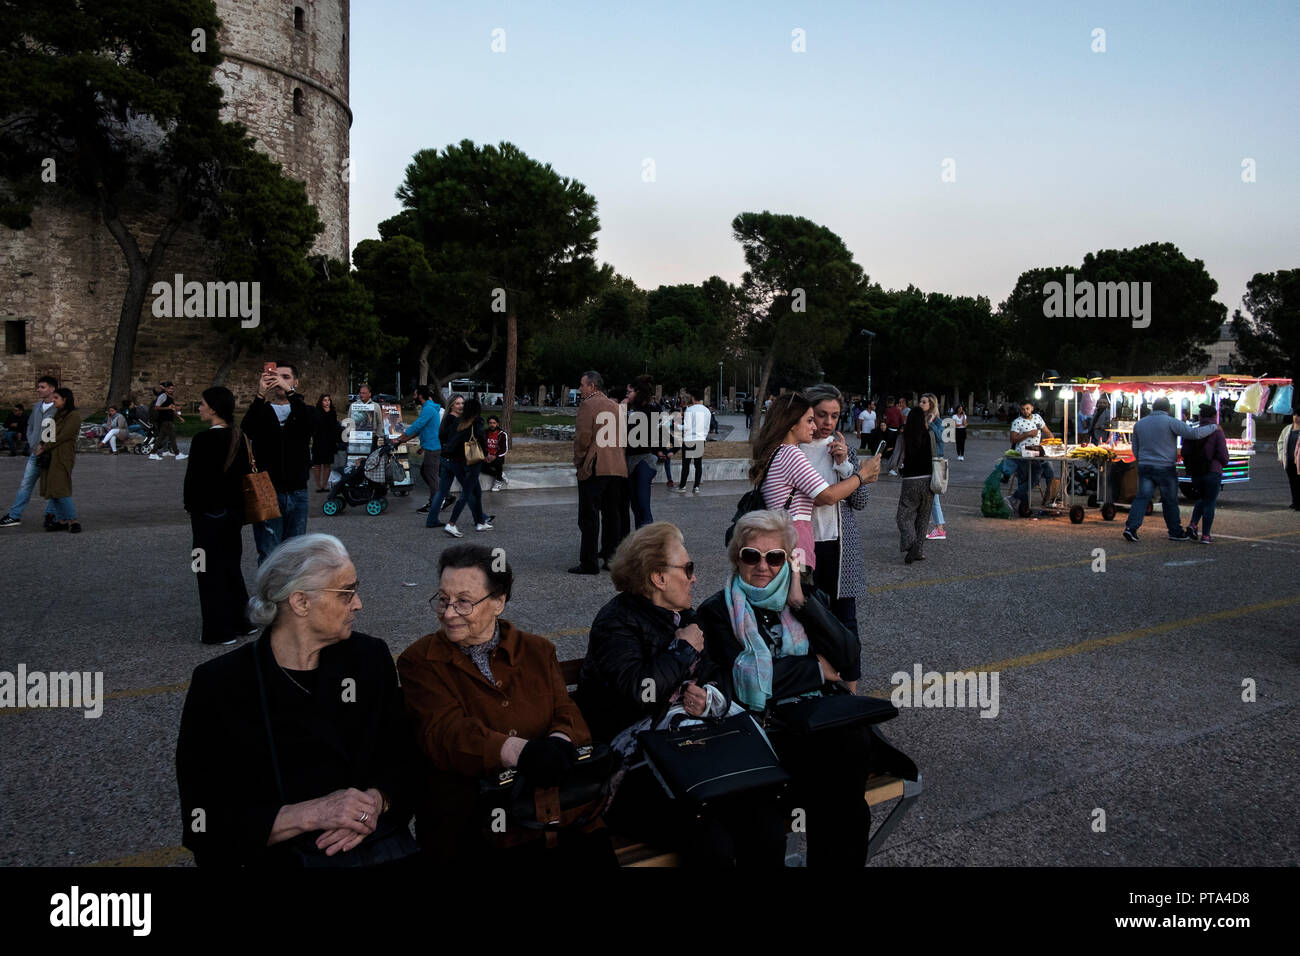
(791, 482)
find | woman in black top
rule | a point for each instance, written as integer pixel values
(293, 750)
(446, 428)
(468, 428)
(324, 442)
(214, 498)
(915, 499)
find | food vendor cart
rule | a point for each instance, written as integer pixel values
(1130, 398)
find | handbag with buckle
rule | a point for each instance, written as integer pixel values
(529, 810)
(831, 712)
(938, 467)
(260, 501)
(716, 758)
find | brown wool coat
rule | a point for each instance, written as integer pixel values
(462, 720)
(589, 457)
(56, 481)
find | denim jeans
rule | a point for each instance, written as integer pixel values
(64, 509)
(1151, 477)
(1042, 471)
(268, 535)
(467, 475)
(642, 477)
(1209, 486)
(31, 475)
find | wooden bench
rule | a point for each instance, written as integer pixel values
(881, 788)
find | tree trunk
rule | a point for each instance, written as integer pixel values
(233, 351)
(512, 357)
(422, 376)
(139, 279)
(768, 363)
(467, 372)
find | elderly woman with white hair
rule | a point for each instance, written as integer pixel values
(775, 645)
(293, 749)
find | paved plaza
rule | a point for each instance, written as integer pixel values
(1119, 691)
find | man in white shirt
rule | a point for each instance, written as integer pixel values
(866, 424)
(1030, 429)
(695, 431)
(43, 410)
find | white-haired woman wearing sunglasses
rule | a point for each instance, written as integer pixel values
(774, 643)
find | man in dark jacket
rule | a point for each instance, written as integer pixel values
(280, 425)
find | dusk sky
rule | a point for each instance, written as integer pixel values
(1057, 150)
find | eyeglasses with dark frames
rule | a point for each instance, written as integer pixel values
(688, 567)
(464, 608)
(350, 592)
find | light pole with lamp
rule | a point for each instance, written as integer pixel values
(719, 401)
(870, 341)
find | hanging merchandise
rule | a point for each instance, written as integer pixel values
(1282, 401)
(1248, 404)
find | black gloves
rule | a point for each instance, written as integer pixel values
(546, 760)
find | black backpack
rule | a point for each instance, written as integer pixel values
(752, 500)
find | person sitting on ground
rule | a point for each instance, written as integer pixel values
(293, 749)
(485, 696)
(771, 640)
(15, 428)
(114, 426)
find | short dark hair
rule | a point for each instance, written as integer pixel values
(49, 380)
(696, 393)
(1027, 401)
(484, 558)
(289, 365)
(222, 402)
(69, 403)
(596, 380)
(426, 393)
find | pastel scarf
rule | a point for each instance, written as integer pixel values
(752, 671)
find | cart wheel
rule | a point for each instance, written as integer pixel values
(1025, 510)
(331, 506)
(1092, 501)
(1108, 512)
(383, 505)
(1076, 514)
(1188, 492)
(375, 506)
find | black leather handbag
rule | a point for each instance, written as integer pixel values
(577, 803)
(828, 713)
(719, 758)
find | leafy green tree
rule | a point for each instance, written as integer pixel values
(523, 232)
(800, 281)
(1183, 315)
(1268, 341)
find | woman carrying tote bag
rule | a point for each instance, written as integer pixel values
(938, 470)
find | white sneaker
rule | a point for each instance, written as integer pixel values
(452, 530)
(893, 473)
(182, 456)
(169, 454)
(696, 489)
(961, 457)
(485, 526)
(155, 457)
(496, 486)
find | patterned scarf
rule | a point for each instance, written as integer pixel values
(752, 670)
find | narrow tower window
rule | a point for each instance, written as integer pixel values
(16, 337)
(298, 18)
(297, 101)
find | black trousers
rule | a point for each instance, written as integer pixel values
(829, 768)
(961, 442)
(827, 578)
(223, 598)
(1294, 480)
(602, 513)
(697, 463)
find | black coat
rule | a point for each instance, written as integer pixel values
(635, 663)
(454, 438)
(791, 676)
(282, 451)
(324, 743)
(209, 486)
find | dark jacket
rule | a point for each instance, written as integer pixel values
(56, 480)
(325, 436)
(282, 451)
(916, 445)
(635, 663)
(329, 741)
(209, 485)
(455, 438)
(791, 676)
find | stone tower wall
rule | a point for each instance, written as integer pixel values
(65, 275)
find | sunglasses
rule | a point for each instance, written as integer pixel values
(752, 556)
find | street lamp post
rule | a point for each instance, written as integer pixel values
(870, 340)
(719, 401)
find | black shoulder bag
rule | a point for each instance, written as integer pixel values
(752, 500)
(721, 757)
(577, 803)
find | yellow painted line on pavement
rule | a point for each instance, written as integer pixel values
(1113, 640)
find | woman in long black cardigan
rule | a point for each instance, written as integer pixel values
(214, 498)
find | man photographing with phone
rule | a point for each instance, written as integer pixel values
(838, 572)
(280, 424)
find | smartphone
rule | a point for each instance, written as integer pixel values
(268, 367)
(880, 449)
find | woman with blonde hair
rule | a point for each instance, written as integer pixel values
(936, 428)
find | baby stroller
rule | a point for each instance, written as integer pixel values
(147, 428)
(365, 483)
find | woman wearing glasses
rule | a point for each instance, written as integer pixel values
(292, 749)
(774, 643)
(485, 696)
(645, 654)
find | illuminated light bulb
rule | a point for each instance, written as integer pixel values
(1038, 393)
